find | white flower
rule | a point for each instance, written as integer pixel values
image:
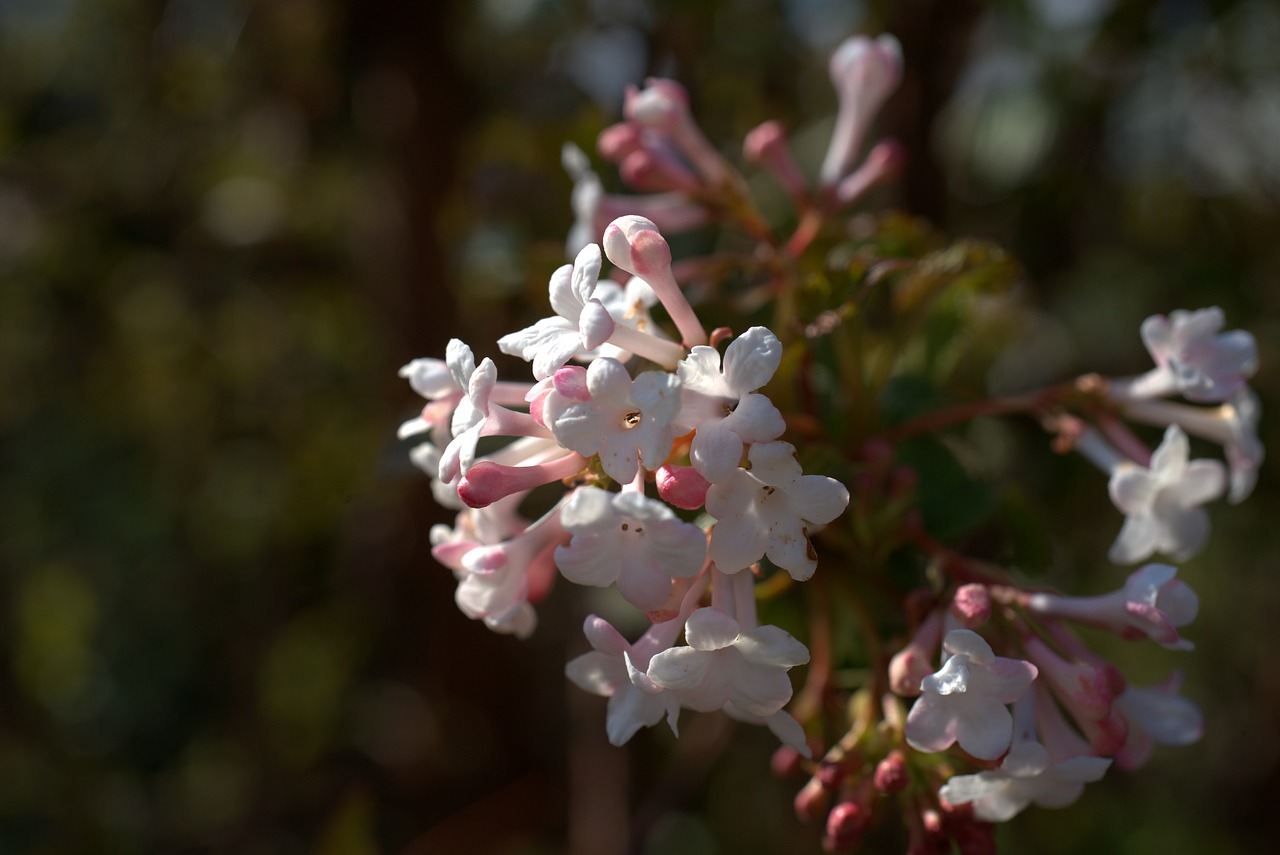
(1194, 358)
(1233, 425)
(437, 381)
(742, 671)
(627, 538)
(1152, 603)
(1156, 716)
(1162, 504)
(1026, 776)
(719, 401)
(581, 322)
(607, 671)
(497, 581)
(1051, 773)
(965, 700)
(626, 422)
(769, 511)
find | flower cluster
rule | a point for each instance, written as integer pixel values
(672, 474)
(690, 432)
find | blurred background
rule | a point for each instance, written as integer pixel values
(224, 226)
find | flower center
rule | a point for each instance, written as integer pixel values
(631, 420)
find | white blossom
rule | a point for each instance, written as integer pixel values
(1161, 503)
(1194, 358)
(628, 539)
(581, 322)
(965, 700)
(607, 671)
(625, 421)
(721, 403)
(770, 510)
(723, 666)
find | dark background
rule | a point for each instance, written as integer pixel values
(224, 225)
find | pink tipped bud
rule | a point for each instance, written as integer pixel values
(913, 663)
(892, 775)
(634, 244)
(662, 104)
(487, 482)
(972, 605)
(767, 146)
(831, 774)
(812, 800)
(884, 163)
(571, 381)
(786, 762)
(846, 824)
(646, 171)
(617, 141)
(621, 237)
(682, 486)
(864, 72)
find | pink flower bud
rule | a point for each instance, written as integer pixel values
(682, 486)
(864, 72)
(891, 774)
(767, 146)
(646, 171)
(972, 605)
(914, 662)
(634, 244)
(617, 141)
(786, 762)
(812, 800)
(571, 381)
(487, 482)
(884, 162)
(846, 824)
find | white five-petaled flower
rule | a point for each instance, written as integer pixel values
(608, 671)
(1027, 775)
(1152, 603)
(742, 671)
(630, 539)
(1193, 357)
(625, 421)
(769, 511)
(721, 402)
(965, 700)
(581, 322)
(1161, 504)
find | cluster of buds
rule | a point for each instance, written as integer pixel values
(672, 480)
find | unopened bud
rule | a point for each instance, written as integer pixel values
(617, 141)
(892, 775)
(812, 800)
(846, 824)
(972, 605)
(682, 486)
(785, 763)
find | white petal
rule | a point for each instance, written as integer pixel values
(771, 645)
(679, 667)
(710, 629)
(751, 360)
